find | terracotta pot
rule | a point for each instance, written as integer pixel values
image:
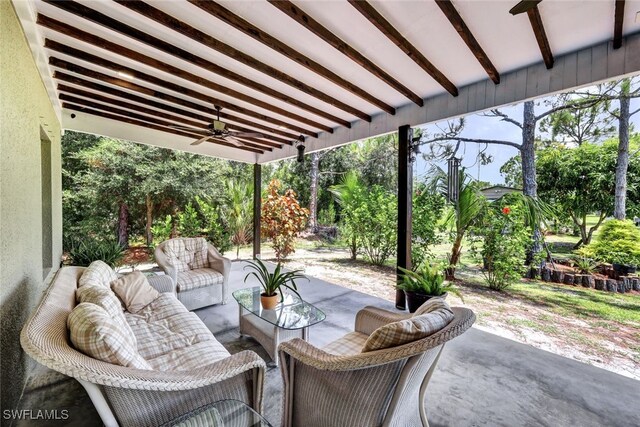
(268, 302)
(415, 300)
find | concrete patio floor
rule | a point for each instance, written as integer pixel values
(481, 380)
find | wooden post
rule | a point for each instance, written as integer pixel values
(405, 192)
(257, 208)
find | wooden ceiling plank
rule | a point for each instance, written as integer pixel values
(166, 107)
(385, 27)
(176, 25)
(127, 53)
(617, 27)
(268, 40)
(60, 63)
(141, 123)
(137, 108)
(449, 10)
(114, 25)
(541, 36)
(323, 33)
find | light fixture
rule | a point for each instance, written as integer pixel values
(299, 144)
(282, 127)
(125, 75)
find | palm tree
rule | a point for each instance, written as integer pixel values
(239, 210)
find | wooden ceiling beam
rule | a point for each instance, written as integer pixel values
(73, 32)
(268, 40)
(323, 33)
(181, 27)
(541, 36)
(385, 27)
(617, 27)
(65, 65)
(464, 32)
(135, 34)
(154, 113)
(165, 107)
(155, 120)
(141, 123)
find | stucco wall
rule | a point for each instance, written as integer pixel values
(25, 110)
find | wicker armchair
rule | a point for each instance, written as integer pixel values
(127, 396)
(196, 285)
(379, 388)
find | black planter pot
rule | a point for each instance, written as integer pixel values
(623, 269)
(415, 300)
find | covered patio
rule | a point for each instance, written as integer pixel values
(257, 82)
(482, 379)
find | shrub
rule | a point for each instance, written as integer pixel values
(374, 220)
(84, 252)
(427, 211)
(504, 238)
(327, 216)
(282, 219)
(618, 242)
(161, 230)
(214, 226)
(428, 279)
(189, 225)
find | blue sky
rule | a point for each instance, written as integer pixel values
(478, 126)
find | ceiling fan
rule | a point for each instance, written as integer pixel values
(217, 129)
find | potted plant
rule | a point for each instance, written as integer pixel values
(272, 283)
(425, 283)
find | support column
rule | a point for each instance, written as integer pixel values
(405, 192)
(257, 208)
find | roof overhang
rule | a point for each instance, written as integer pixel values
(335, 72)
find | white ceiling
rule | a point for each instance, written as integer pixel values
(508, 41)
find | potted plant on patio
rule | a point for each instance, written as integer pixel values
(272, 283)
(423, 284)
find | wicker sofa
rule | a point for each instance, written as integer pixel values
(341, 386)
(141, 397)
(199, 272)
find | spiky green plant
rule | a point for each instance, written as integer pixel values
(427, 280)
(272, 283)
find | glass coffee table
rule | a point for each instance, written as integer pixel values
(224, 413)
(290, 319)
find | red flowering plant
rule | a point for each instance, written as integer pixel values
(506, 210)
(282, 219)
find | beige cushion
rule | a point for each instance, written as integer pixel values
(412, 329)
(430, 305)
(194, 279)
(191, 357)
(177, 254)
(105, 298)
(97, 335)
(350, 344)
(134, 291)
(198, 247)
(98, 273)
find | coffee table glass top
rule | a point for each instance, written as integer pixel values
(219, 414)
(292, 313)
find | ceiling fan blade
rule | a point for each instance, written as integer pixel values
(247, 134)
(201, 140)
(189, 128)
(524, 6)
(234, 141)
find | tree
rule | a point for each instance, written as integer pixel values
(347, 194)
(581, 181)
(239, 213)
(579, 125)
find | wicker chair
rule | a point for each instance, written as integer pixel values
(127, 396)
(379, 388)
(196, 287)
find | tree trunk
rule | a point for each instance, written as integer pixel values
(313, 198)
(147, 229)
(456, 250)
(622, 163)
(123, 225)
(528, 156)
